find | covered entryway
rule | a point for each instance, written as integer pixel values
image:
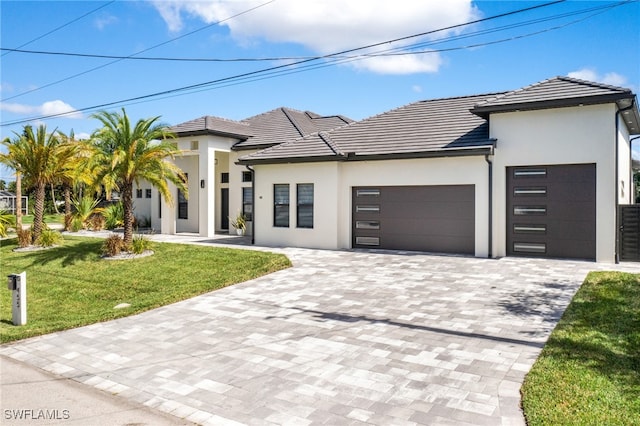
(422, 218)
(551, 211)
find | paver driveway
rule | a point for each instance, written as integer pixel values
(340, 338)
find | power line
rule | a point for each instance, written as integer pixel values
(61, 26)
(139, 52)
(297, 58)
(276, 70)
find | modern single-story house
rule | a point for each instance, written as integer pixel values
(538, 171)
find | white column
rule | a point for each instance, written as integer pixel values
(207, 194)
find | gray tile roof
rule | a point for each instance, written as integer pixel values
(554, 92)
(284, 124)
(433, 127)
(212, 125)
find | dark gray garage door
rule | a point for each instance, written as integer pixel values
(423, 218)
(551, 211)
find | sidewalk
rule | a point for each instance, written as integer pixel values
(31, 396)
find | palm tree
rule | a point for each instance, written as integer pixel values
(9, 159)
(125, 155)
(40, 158)
(76, 172)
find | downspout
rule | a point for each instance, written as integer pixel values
(253, 204)
(490, 165)
(617, 177)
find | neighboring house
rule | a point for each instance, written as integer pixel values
(218, 187)
(537, 171)
(8, 202)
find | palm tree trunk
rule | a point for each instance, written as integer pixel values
(67, 207)
(38, 212)
(18, 200)
(127, 204)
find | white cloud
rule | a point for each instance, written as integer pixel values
(6, 88)
(590, 74)
(105, 20)
(47, 108)
(330, 26)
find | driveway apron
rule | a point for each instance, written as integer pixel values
(343, 337)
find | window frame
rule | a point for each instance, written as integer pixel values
(247, 203)
(304, 206)
(183, 202)
(281, 208)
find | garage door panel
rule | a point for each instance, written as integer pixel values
(558, 221)
(423, 218)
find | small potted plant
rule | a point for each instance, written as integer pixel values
(239, 223)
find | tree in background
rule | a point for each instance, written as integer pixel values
(40, 159)
(126, 154)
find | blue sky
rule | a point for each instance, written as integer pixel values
(594, 40)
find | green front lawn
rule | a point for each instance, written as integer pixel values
(70, 286)
(589, 370)
(48, 218)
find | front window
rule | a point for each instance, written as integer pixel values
(247, 203)
(281, 205)
(138, 193)
(183, 204)
(147, 193)
(246, 176)
(305, 205)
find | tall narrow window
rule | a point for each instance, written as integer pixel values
(305, 205)
(281, 205)
(183, 204)
(247, 203)
(159, 205)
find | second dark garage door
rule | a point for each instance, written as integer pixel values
(551, 211)
(422, 218)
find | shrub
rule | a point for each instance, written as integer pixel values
(96, 222)
(7, 220)
(84, 209)
(24, 237)
(113, 245)
(113, 216)
(140, 244)
(49, 237)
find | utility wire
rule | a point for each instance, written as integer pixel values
(297, 58)
(272, 70)
(139, 52)
(62, 26)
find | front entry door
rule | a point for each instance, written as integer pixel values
(224, 208)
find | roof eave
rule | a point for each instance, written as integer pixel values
(446, 152)
(287, 160)
(484, 111)
(207, 132)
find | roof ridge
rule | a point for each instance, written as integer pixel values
(592, 83)
(292, 121)
(326, 138)
(548, 80)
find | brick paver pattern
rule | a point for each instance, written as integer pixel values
(341, 338)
